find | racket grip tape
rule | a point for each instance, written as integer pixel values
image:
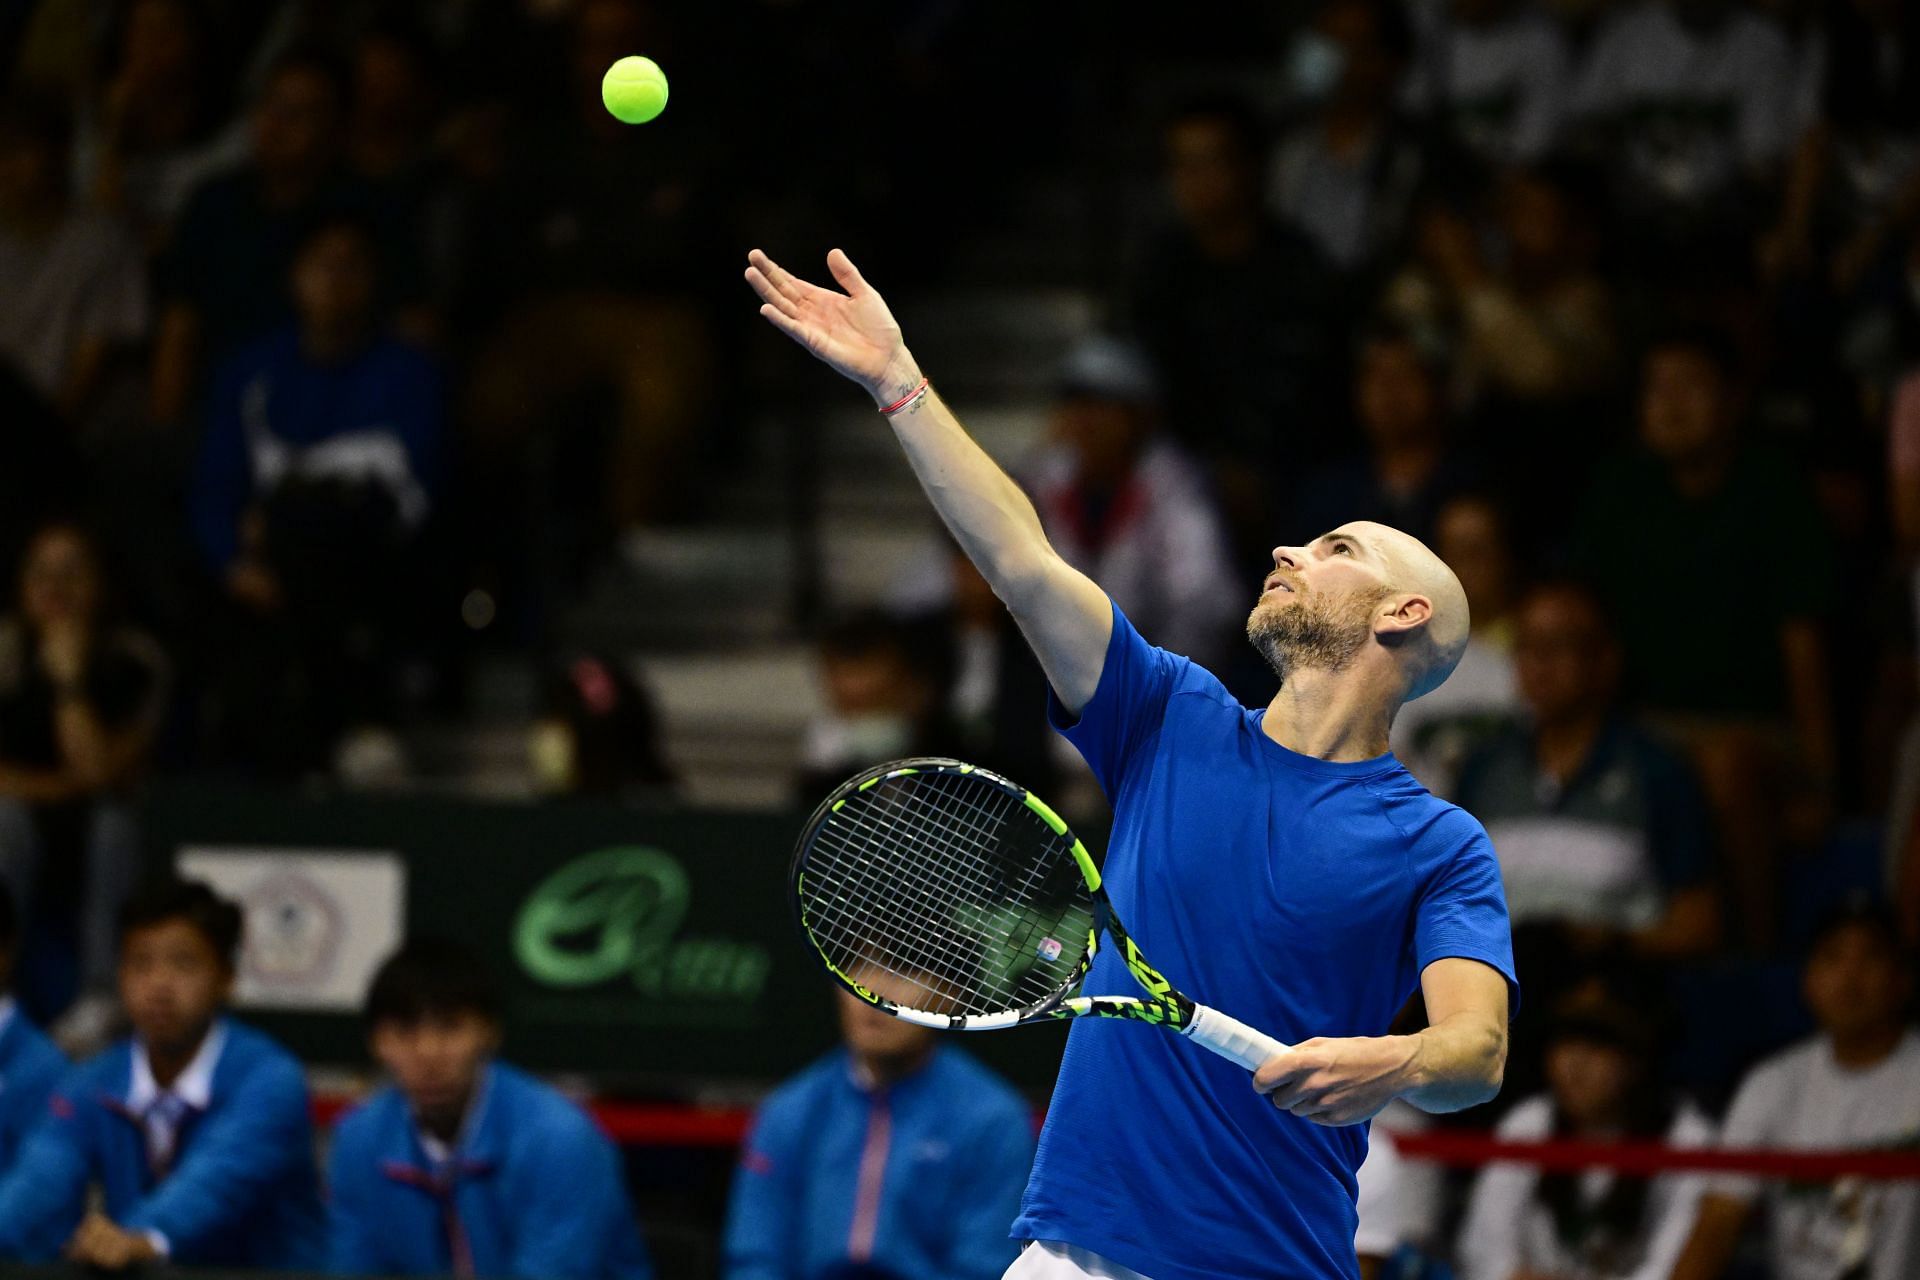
(1231, 1038)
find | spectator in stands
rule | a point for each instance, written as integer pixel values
(158, 126)
(996, 692)
(601, 734)
(1691, 101)
(1128, 506)
(81, 699)
(222, 279)
(1854, 1085)
(882, 701)
(1532, 319)
(619, 249)
(318, 472)
(29, 1064)
(1409, 470)
(1239, 313)
(194, 1132)
(464, 1165)
(1494, 75)
(1433, 735)
(72, 283)
(1603, 1086)
(1346, 172)
(1603, 834)
(896, 1156)
(1854, 185)
(1667, 535)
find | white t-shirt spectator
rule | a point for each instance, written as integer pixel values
(83, 281)
(1693, 109)
(1159, 550)
(1399, 1198)
(1508, 1228)
(1802, 1098)
(1501, 87)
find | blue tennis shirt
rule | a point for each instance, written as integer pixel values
(1301, 896)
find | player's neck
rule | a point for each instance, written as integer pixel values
(1331, 716)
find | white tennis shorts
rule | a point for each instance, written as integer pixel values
(1051, 1260)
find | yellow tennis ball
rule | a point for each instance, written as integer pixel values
(634, 89)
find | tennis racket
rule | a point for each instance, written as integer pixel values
(948, 896)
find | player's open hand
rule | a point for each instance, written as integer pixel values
(1336, 1082)
(851, 331)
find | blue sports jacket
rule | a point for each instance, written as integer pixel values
(533, 1190)
(242, 1190)
(919, 1180)
(29, 1068)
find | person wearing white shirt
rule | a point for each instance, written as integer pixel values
(1602, 1086)
(1855, 1085)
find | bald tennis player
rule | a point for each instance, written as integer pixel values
(1333, 884)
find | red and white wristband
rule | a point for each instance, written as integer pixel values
(907, 401)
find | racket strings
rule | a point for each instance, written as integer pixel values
(861, 918)
(951, 885)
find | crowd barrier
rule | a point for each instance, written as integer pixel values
(671, 1125)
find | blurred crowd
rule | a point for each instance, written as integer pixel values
(335, 335)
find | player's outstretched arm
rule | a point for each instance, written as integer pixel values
(1065, 617)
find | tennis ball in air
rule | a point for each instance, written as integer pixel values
(634, 89)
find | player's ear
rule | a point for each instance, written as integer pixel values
(1401, 615)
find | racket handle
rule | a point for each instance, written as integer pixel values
(1231, 1038)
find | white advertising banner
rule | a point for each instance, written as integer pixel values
(319, 922)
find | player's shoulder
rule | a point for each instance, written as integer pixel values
(1434, 828)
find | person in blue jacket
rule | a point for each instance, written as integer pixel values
(29, 1064)
(893, 1158)
(465, 1166)
(195, 1131)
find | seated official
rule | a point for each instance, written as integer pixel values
(195, 1132)
(29, 1064)
(464, 1165)
(895, 1158)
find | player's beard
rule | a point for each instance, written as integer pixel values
(1312, 633)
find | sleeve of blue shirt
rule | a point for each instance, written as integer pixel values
(237, 1152)
(763, 1210)
(1462, 909)
(1127, 707)
(989, 1198)
(353, 1225)
(567, 1217)
(222, 477)
(44, 1194)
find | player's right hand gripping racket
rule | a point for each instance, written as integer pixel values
(951, 897)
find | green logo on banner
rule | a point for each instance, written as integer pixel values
(617, 912)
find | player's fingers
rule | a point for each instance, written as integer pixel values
(781, 278)
(785, 323)
(764, 287)
(1281, 1069)
(846, 273)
